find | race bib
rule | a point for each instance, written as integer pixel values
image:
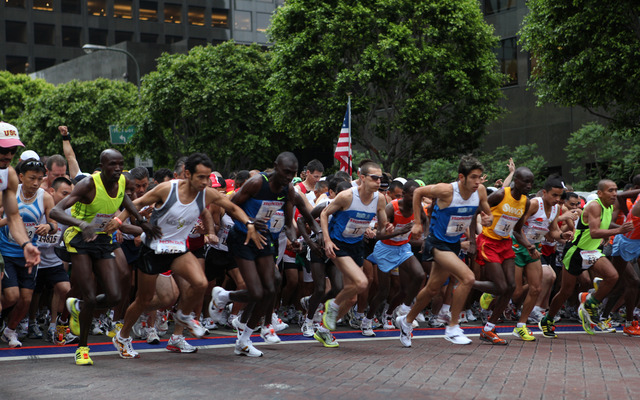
(49, 239)
(30, 228)
(276, 222)
(505, 225)
(458, 224)
(403, 237)
(589, 257)
(100, 221)
(355, 228)
(535, 232)
(267, 209)
(167, 246)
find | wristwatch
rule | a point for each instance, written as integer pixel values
(250, 222)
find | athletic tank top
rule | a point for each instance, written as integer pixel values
(399, 221)
(582, 238)
(4, 179)
(266, 206)
(505, 216)
(31, 214)
(537, 226)
(103, 207)
(349, 225)
(450, 223)
(635, 233)
(176, 220)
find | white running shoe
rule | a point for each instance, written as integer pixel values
(152, 336)
(190, 322)
(463, 318)
(405, 331)
(421, 318)
(162, 322)
(307, 329)
(209, 324)
(139, 329)
(216, 306)
(11, 338)
(277, 323)
(470, 316)
(455, 335)
(238, 326)
(246, 349)
(178, 344)
(268, 334)
(304, 303)
(366, 326)
(124, 347)
(388, 323)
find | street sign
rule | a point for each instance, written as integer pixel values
(144, 162)
(121, 135)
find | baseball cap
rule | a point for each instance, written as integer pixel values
(230, 184)
(9, 135)
(215, 183)
(27, 154)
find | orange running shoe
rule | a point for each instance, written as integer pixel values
(492, 337)
(632, 330)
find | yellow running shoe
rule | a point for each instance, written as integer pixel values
(74, 311)
(82, 356)
(523, 333)
(485, 300)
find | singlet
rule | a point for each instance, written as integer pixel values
(505, 216)
(537, 226)
(634, 234)
(176, 220)
(399, 221)
(582, 238)
(46, 245)
(266, 206)
(349, 225)
(450, 223)
(4, 179)
(31, 214)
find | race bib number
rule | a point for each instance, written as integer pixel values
(355, 228)
(402, 237)
(458, 224)
(30, 228)
(505, 225)
(100, 221)
(276, 222)
(194, 231)
(267, 209)
(49, 239)
(535, 232)
(589, 257)
(171, 246)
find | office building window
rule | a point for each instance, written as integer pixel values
(242, 20)
(15, 32)
(173, 13)
(263, 21)
(169, 39)
(507, 55)
(496, 6)
(43, 34)
(148, 38)
(148, 10)
(43, 5)
(16, 64)
(71, 36)
(98, 36)
(196, 15)
(122, 36)
(97, 7)
(42, 63)
(122, 9)
(14, 3)
(219, 18)
(71, 6)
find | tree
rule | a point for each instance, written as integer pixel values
(15, 90)
(87, 108)
(423, 75)
(212, 100)
(587, 53)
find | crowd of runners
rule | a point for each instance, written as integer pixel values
(186, 251)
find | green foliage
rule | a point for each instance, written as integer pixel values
(423, 75)
(87, 108)
(599, 152)
(15, 89)
(587, 54)
(212, 100)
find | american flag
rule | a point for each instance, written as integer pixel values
(343, 149)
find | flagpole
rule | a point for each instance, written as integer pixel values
(350, 151)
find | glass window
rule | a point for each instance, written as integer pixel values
(219, 18)
(242, 20)
(122, 9)
(44, 5)
(43, 34)
(71, 36)
(98, 36)
(148, 10)
(15, 32)
(17, 64)
(196, 15)
(14, 3)
(123, 36)
(496, 6)
(148, 38)
(262, 22)
(508, 59)
(169, 39)
(173, 13)
(42, 63)
(97, 7)
(71, 6)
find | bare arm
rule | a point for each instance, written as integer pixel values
(593, 214)
(341, 202)
(69, 154)
(16, 225)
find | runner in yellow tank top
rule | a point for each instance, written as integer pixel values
(494, 252)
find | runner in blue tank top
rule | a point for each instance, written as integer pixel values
(352, 212)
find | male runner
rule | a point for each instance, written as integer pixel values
(95, 202)
(453, 212)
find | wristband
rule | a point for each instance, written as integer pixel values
(23, 245)
(51, 226)
(118, 220)
(66, 137)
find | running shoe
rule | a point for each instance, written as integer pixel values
(96, 327)
(596, 282)
(605, 326)
(191, 323)
(74, 312)
(304, 303)
(523, 333)
(440, 320)
(246, 349)
(388, 323)
(50, 335)
(139, 329)
(456, 335)
(587, 314)
(82, 356)
(405, 330)
(11, 338)
(367, 329)
(114, 328)
(548, 328)
(34, 331)
(492, 337)
(162, 322)
(178, 344)
(124, 347)
(238, 326)
(632, 330)
(209, 324)
(420, 318)
(268, 334)
(22, 330)
(463, 318)
(330, 316)
(485, 300)
(535, 317)
(307, 328)
(355, 320)
(216, 306)
(152, 336)
(61, 332)
(70, 338)
(470, 316)
(277, 323)
(326, 338)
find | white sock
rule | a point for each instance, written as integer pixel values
(334, 306)
(489, 327)
(521, 325)
(451, 328)
(246, 334)
(445, 308)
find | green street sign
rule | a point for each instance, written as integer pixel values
(121, 135)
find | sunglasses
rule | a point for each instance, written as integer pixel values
(374, 177)
(7, 150)
(37, 164)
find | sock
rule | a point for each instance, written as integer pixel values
(334, 306)
(308, 321)
(224, 296)
(489, 327)
(404, 309)
(538, 308)
(445, 309)
(451, 328)
(246, 335)
(8, 330)
(521, 325)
